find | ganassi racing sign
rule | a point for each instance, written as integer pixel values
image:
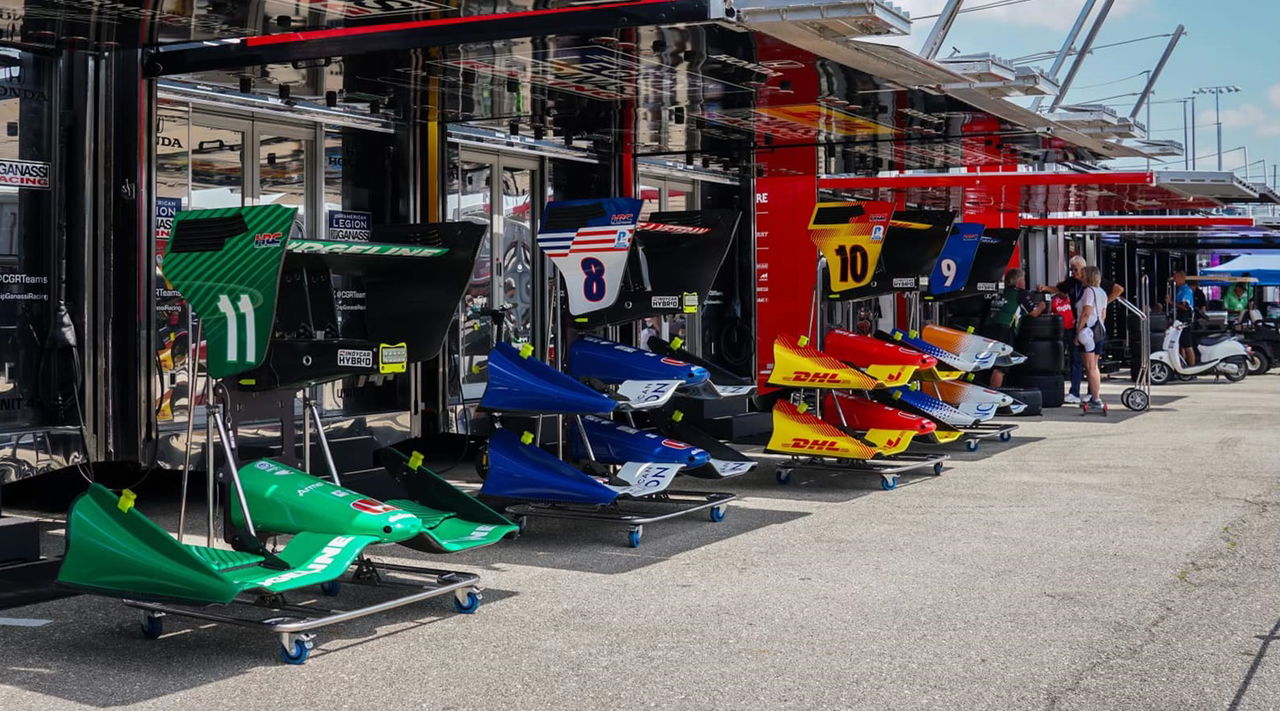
(24, 174)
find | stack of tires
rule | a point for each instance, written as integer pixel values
(1040, 340)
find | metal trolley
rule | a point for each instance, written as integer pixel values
(1138, 397)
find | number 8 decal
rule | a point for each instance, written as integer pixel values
(593, 283)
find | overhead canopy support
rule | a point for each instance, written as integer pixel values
(416, 34)
(1067, 44)
(941, 27)
(1084, 52)
(1155, 73)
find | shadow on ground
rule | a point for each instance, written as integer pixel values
(93, 652)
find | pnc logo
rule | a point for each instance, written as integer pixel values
(814, 445)
(673, 361)
(674, 444)
(804, 376)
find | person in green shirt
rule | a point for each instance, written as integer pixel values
(1236, 300)
(1007, 311)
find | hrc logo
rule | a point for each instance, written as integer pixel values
(268, 239)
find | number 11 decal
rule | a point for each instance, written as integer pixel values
(233, 327)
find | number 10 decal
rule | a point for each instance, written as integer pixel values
(245, 306)
(854, 262)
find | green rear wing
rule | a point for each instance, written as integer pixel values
(260, 289)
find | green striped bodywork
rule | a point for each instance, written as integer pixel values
(237, 282)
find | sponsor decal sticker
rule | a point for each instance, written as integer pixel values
(372, 506)
(24, 174)
(904, 283)
(664, 302)
(268, 239)
(351, 358)
(347, 226)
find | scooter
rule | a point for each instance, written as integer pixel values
(1219, 354)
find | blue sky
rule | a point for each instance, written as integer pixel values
(1229, 42)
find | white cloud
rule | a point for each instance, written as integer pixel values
(1273, 93)
(1248, 116)
(1049, 14)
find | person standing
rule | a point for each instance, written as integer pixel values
(1184, 306)
(1007, 312)
(1236, 300)
(649, 330)
(1073, 288)
(1091, 331)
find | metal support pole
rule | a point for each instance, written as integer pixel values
(1084, 52)
(938, 35)
(227, 450)
(1186, 140)
(1065, 52)
(1155, 73)
(1217, 119)
(211, 489)
(1193, 133)
(193, 355)
(309, 407)
(306, 434)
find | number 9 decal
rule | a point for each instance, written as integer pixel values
(949, 271)
(593, 284)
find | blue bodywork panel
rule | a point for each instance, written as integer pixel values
(613, 363)
(522, 471)
(614, 443)
(520, 384)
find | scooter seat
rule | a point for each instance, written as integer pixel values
(1214, 339)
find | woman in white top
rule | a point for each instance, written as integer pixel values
(1090, 329)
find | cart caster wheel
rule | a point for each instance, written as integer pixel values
(1135, 399)
(298, 654)
(633, 538)
(971, 445)
(888, 483)
(783, 476)
(468, 605)
(717, 514)
(152, 626)
(1006, 436)
(937, 469)
(331, 588)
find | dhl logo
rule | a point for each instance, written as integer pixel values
(814, 445)
(806, 376)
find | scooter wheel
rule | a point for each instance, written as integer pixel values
(971, 445)
(467, 605)
(331, 588)
(298, 654)
(888, 483)
(1160, 373)
(783, 476)
(152, 626)
(633, 537)
(717, 514)
(1135, 399)
(1006, 436)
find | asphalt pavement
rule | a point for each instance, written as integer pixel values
(1125, 562)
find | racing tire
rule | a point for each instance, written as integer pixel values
(1044, 357)
(1031, 397)
(1051, 387)
(1240, 371)
(1259, 363)
(1041, 328)
(1161, 373)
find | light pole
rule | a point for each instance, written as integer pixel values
(1217, 92)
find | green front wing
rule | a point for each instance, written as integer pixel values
(113, 549)
(452, 520)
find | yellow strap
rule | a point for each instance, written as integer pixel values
(126, 500)
(803, 341)
(526, 438)
(676, 343)
(677, 416)
(415, 460)
(802, 407)
(526, 350)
